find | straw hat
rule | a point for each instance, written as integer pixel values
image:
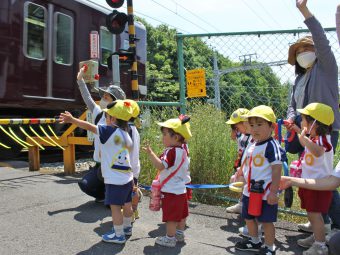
(307, 40)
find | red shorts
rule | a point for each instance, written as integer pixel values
(315, 200)
(174, 207)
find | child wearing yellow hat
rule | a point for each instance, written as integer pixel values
(173, 163)
(134, 157)
(240, 132)
(116, 166)
(317, 163)
(262, 172)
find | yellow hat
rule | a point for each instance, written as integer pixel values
(306, 40)
(120, 109)
(135, 107)
(264, 112)
(179, 125)
(320, 112)
(238, 116)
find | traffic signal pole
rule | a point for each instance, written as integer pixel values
(132, 45)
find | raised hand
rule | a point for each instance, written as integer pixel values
(81, 73)
(301, 4)
(65, 117)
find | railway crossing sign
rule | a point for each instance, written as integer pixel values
(196, 86)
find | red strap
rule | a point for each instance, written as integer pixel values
(249, 176)
(173, 173)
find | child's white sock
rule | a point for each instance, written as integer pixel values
(170, 237)
(126, 222)
(179, 232)
(119, 230)
(255, 240)
(320, 243)
(270, 247)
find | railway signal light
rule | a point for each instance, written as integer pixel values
(115, 3)
(115, 22)
(125, 58)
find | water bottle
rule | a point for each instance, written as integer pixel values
(255, 198)
(155, 201)
(295, 169)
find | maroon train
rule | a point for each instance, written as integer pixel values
(41, 45)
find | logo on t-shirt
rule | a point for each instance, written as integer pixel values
(309, 159)
(258, 160)
(120, 162)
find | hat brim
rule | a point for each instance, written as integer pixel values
(231, 122)
(259, 116)
(303, 111)
(292, 51)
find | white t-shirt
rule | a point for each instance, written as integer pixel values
(115, 156)
(318, 167)
(102, 121)
(264, 155)
(171, 159)
(336, 171)
(134, 153)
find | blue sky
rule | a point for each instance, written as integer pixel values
(195, 16)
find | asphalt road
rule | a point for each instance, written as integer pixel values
(44, 213)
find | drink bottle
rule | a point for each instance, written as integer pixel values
(155, 201)
(255, 198)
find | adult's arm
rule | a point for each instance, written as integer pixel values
(327, 183)
(337, 22)
(90, 103)
(291, 111)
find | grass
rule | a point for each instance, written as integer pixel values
(212, 153)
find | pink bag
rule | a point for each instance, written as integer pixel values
(295, 168)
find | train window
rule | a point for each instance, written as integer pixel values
(63, 39)
(35, 28)
(107, 45)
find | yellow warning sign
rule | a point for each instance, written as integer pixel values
(196, 86)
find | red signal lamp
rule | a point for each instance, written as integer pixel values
(115, 3)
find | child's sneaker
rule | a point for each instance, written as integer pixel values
(128, 231)
(235, 208)
(166, 241)
(111, 237)
(307, 242)
(247, 245)
(179, 237)
(316, 249)
(265, 251)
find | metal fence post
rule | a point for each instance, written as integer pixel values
(216, 83)
(181, 72)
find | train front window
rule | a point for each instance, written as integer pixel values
(107, 45)
(35, 27)
(63, 39)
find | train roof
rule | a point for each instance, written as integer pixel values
(104, 9)
(96, 6)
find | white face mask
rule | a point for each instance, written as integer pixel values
(103, 104)
(306, 59)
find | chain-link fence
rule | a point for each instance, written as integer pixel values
(246, 69)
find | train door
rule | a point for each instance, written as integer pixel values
(48, 47)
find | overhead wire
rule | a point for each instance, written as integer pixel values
(252, 10)
(292, 13)
(180, 16)
(268, 13)
(194, 14)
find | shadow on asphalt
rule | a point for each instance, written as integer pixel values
(103, 249)
(89, 212)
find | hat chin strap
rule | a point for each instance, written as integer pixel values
(311, 127)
